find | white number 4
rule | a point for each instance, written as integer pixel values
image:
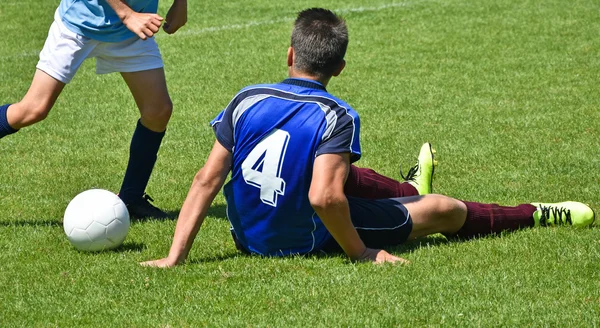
(262, 167)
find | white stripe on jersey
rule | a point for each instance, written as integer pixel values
(331, 118)
(330, 115)
(244, 105)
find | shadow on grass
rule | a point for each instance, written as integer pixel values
(413, 245)
(32, 223)
(217, 211)
(130, 247)
(424, 242)
(437, 240)
(125, 247)
(407, 247)
(218, 258)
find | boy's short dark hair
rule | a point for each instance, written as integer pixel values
(320, 40)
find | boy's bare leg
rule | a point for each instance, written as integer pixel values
(37, 102)
(435, 214)
(149, 89)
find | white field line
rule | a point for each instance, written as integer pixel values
(216, 29)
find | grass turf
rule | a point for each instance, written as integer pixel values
(505, 90)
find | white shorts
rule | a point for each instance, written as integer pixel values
(65, 51)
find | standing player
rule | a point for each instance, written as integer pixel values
(119, 33)
(289, 147)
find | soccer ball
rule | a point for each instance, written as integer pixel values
(96, 220)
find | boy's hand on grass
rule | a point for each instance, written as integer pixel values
(379, 256)
(162, 263)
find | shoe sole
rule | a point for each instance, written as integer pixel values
(431, 153)
(432, 167)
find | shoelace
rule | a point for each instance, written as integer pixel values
(148, 199)
(411, 174)
(548, 211)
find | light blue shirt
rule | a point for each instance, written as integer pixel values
(96, 20)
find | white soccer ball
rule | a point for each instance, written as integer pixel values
(96, 220)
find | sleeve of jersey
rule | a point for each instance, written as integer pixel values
(223, 127)
(344, 138)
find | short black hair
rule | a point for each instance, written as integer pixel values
(320, 40)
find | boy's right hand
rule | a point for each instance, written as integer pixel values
(379, 256)
(142, 24)
(161, 263)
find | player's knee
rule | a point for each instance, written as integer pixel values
(33, 112)
(444, 207)
(166, 110)
(159, 113)
(448, 206)
(450, 211)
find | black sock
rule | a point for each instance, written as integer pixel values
(5, 128)
(142, 156)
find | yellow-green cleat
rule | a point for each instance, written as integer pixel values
(420, 175)
(566, 213)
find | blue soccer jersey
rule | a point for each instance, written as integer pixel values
(275, 132)
(96, 20)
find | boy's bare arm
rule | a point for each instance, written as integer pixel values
(144, 25)
(207, 183)
(327, 197)
(176, 16)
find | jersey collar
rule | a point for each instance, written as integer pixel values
(306, 83)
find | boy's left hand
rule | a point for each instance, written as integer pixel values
(176, 16)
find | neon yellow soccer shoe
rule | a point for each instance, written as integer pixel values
(565, 213)
(420, 175)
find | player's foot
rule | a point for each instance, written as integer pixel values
(143, 209)
(565, 213)
(420, 175)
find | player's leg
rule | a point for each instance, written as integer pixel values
(149, 90)
(366, 183)
(493, 218)
(34, 106)
(388, 222)
(454, 218)
(432, 214)
(62, 55)
(141, 66)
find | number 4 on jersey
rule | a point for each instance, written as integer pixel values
(262, 167)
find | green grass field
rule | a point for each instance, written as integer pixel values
(507, 92)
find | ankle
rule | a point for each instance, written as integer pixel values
(5, 127)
